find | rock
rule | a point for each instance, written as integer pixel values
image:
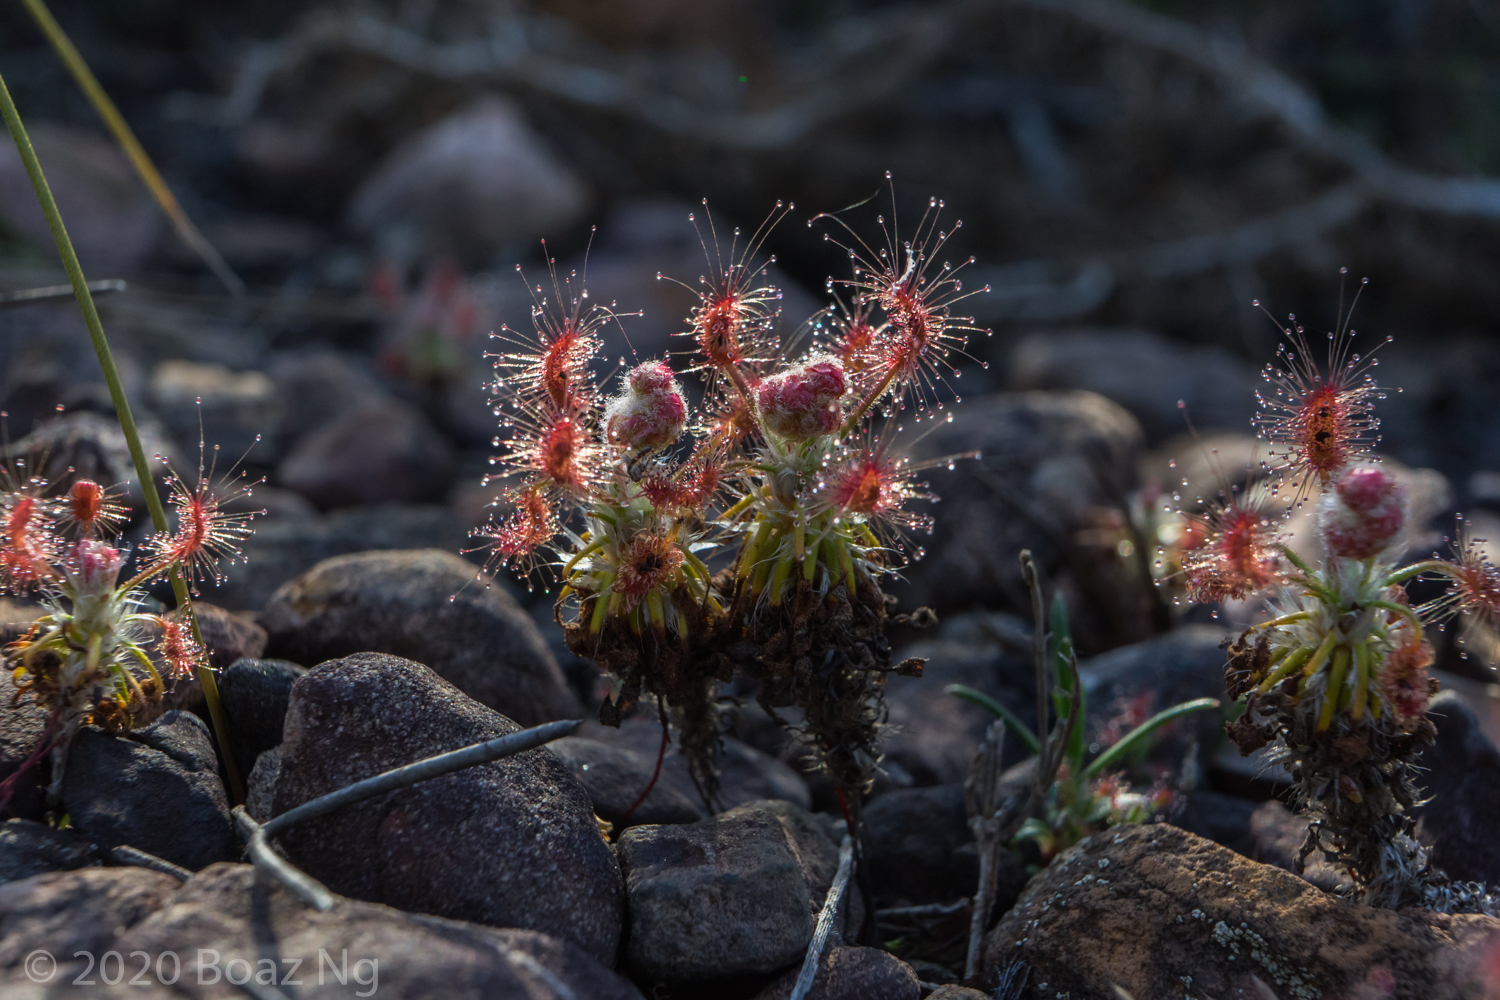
(513, 843)
(374, 453)
(237, 412)
(1144, 372)
(736, 894)
(22, 727)
(920, 849)
(28, 848)
(112, 221)
(228, 636)
(745, 773)
(1224, 819)
(1133, 683)
(849, 973)
(952, 991)
(1462, 782)
(228, 919)
(614, 778)
(1061, 454)
(282, 549)
(77, 911)
(473, 184)
(156, 788)
(1276, 838)
(255, 695)
(1143, 908)
(260, 785)
(316, 385)
(424, 604)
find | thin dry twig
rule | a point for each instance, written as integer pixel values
(265, 859)
(826, 919)
(982, 790)
(49, 293)
(134, 857)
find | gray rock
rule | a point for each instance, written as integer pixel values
(1137, 681)
(736, 894)
(316, 385)
(745, 773)
(29, 848)
(87, 445)
(1144, 372)
(226, 916)
(424, 604)
(260, 786)
(237, 411)
(1060, 454)
(614, 778)
(920, 849)
(255, 694)
(934, 735)
(469, 185)
(22, 726)
(850, 973)
(373, 453)
(112, 222)
(952, 991)
(513, 843)
(156, 788)
(284, 548)
(1462, 782)
(68, 912)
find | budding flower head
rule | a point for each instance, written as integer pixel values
(804, 402)
(1363, 513)
(94, 565)
(650, 414)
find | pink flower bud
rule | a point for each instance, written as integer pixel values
(650, 413)
(95, 565)
(1363, 513)
(804, 402)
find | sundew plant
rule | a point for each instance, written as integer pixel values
(1336, 681)
(750, 532)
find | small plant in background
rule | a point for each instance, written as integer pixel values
(428, 328)
(787, 474)
(87, 658)
(1336, 681)
(1087, 796)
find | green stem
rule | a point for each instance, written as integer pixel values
(118, 127)
(122, 411)
(1400, 609)
(1012, 721)
(1108, 757)
(1297, 560)
(1417, 569)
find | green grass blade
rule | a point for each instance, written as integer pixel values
(984, 701)
(122, 409)
(1114, 753)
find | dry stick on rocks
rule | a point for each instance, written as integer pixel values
(48, 293)
(134, 857)
(826, 919)
(258, 836)
(993, 820)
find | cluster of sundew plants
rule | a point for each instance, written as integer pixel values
(789, 469)
(1336, 681)
(92, 655)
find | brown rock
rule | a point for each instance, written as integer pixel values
(853, 974)
(84, 910)
(1153, 911)
(376, 452)
(426, 605)
(228, 636)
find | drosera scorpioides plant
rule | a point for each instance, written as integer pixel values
(750, 533)
(1335, 682)
(88, 659)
